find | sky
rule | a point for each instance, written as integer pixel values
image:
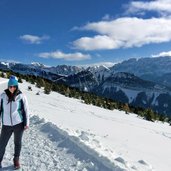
(83, 32)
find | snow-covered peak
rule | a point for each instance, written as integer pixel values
(38, 64)
(5, 63)
(104, 64)
(98, 68)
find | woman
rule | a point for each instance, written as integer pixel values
(15, 118)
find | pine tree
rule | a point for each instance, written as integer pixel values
(161, 118)
(40, 83)
(8, 74)
(31, 80)
(20, 80)
(126, 108)
(2, 75)
(47, 88)
(149, 115)
(67, 92)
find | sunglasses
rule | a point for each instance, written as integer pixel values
(12, 87)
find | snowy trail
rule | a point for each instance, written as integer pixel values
(44, 148)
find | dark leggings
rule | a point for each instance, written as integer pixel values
(6, 133)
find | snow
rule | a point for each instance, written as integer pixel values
(74, 136)
(131, 94)
(5, 63)
(155, 101)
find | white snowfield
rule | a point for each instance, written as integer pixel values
(68, 135)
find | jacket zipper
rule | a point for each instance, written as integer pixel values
(11, 113)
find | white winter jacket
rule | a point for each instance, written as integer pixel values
(15, 111)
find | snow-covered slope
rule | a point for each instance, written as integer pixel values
(76, 136)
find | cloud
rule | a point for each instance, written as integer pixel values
(106, 17)
(163, 54)
(66, 56)
(32, 39)
(125, 32)
(96, 43)
(161, 6)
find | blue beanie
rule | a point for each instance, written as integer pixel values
(12, 81)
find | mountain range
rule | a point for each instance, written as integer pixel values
(144, 82)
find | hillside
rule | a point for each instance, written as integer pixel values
(86, 137)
